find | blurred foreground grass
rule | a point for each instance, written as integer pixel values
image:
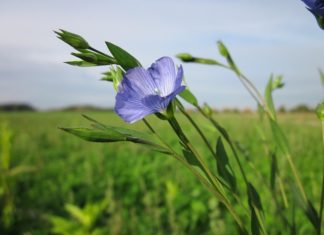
(77, 187)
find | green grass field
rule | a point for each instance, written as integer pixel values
(121, 188)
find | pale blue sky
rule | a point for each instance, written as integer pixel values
(265, 37)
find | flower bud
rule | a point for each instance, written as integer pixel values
(74, 40)
(186, 57)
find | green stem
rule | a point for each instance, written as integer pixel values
(231, 144)
(229, 141)
(322, 191)
(100, 52)
(214, 191)
(254, 92)
(198, 130)
(259, 99)
(178, 130)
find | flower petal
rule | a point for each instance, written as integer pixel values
(179, 77)
(140, 81)
(131, 109)
(143, 92)
(315, 6)
(167, 100)
(163, 72)
(309, 3)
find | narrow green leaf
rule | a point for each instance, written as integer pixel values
(131, 135)
(124, 131)
(273, 171)
(80, 63)
(224, 52)
(223, 166)
(256, 210)
(124, 59)
(95, 58)
(96, 135)
(114, 75)
(307, 207)
(78, 214)
(254, 198)
(189, 97)
(312, 215)
(255, 224)
(191, 159)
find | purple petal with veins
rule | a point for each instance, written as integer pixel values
(143, 92)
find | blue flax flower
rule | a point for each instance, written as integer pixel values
(315, 6)
(143, 92)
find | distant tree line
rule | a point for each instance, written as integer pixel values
(17, 107)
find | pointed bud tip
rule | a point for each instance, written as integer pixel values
(186, 57)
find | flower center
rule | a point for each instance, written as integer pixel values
(157, 91)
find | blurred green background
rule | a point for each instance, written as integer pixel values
(55, 183)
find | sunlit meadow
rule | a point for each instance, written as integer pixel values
(161, 161)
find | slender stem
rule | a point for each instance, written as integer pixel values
(100, 52)
(216, 192)
(229, 141)
(258, 97)
(178, 130)
(210, 149)
(199, 131)
(322, 191)
(254, 92)
(282, 190)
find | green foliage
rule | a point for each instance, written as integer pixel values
(81, 221)
(95, 58)
(320, 111)
(189, 97)
(80, 63)
(114, 75)
(223, 166)
(124, 59)
(273, 83)
(96, 135)
(266, 109)
(256, 210)
(133, 178)
(8, 174)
